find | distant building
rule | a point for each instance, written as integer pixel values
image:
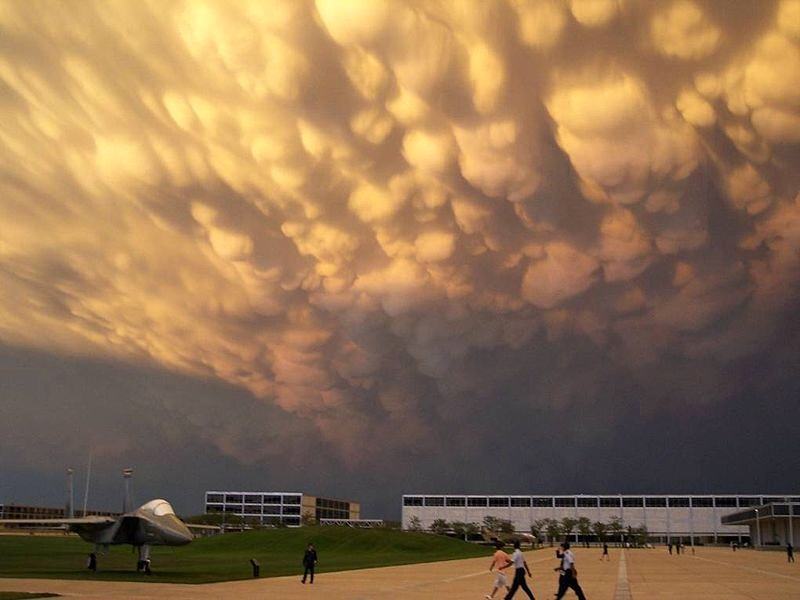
(280, 508)
(772, 524)
(666, 517)
(24, 511)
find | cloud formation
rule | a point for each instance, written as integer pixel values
(340, 206)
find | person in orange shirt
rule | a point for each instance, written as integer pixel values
(500, 560)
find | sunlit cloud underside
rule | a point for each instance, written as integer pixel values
(337, 205)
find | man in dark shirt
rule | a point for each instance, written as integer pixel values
(789, 552)
(309, 562)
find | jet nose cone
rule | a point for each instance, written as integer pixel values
(179, 535)
(184, 537)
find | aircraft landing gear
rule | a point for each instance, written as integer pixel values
(144, 560)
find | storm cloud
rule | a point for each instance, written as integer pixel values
(408, 231)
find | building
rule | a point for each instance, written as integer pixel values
(24, 511)
(772, 524)
(280, 508)
(695, 518)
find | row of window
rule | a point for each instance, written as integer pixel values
(253, 509)
(590, 501)
(253, 498)
(334, 504)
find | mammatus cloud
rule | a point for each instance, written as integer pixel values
(340, 205)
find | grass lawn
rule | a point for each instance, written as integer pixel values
(226, 557)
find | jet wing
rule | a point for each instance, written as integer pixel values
(95, 520)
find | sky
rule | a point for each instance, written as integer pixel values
(371, 247)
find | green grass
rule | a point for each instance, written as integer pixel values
(225, 557)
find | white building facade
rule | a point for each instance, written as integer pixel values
(692, 517)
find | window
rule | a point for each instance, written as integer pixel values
(587, 502)
(542, 502)
(434, 501)
(233, 498)
(412, 501)
(633, 502)
(702, 502)
(498, 502)
(252, 499)
(455, 501)
(654, 502)
(291, 521)
(293, 499)
(291, 510)
(725, 502)
(233, 509)
(749, 501)
(213, 507)
(272, 499)
(678, 502)
(520, 502)
(771, 499)
(610, 502)
(476, 501)
(565, 502)
(214, 498)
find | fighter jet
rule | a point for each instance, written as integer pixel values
(152, 524)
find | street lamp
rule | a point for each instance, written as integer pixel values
(758, 529)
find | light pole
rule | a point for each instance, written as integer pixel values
(70, 495)
(758, 529)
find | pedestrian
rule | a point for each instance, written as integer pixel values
(91, 563)
(789, 552)
(669, 545)
(605, 552)
(520, 568)
(500, 561)
(568, 574)
(309, 562)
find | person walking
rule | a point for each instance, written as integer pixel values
(309, 562)
(789, 552)
(500, 561)
(669, 546)
(568, 574)
(520, 568)
(605, 555)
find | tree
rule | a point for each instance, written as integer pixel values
(641, 535)
(538, 528)
(553, 529)
(308, 519)
(414, 524)
(615, 527)
(585, 529)
(600, 530)
(491, 524)
(440, 527)
(472, 529)
(505, 526)
(568, 526)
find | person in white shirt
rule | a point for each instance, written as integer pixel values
(520, 568)
(568, 578)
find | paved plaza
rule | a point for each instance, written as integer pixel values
(709, 574)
